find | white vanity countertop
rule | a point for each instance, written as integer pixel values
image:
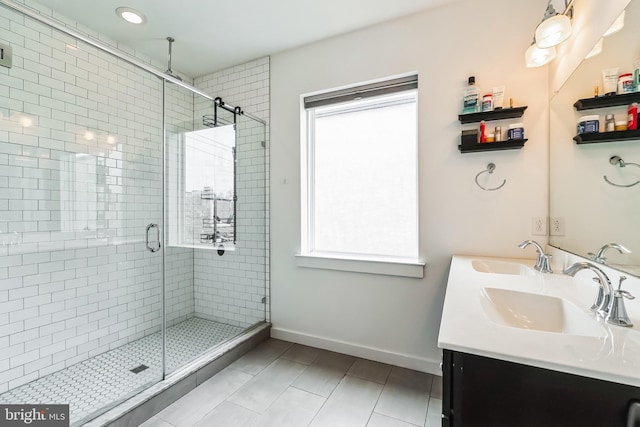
(612, 356)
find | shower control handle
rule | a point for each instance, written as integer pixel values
(153, 246)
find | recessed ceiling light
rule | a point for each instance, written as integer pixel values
(131, 15)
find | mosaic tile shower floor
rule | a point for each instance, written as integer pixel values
(98, 382)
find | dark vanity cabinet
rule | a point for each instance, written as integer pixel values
(484, 392)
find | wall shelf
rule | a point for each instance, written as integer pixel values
(503, 113)
(607, 101)
(593, 138)
(511, 144)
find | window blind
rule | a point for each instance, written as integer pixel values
(364, 91)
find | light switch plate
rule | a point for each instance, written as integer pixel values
(6, 55)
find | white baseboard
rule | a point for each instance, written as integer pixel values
(384, 356)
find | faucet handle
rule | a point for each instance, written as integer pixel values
(600, 259)
(620, 293)
(625, 294)
(622, 279)
(618, 314)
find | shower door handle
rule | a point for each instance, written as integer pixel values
(153, 246)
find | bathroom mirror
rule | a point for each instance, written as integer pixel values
(592, 201)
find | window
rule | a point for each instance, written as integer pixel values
(359, 173)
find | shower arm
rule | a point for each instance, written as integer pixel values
(169, 70)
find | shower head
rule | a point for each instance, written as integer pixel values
(169, 70)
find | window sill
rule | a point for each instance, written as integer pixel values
(389, 267)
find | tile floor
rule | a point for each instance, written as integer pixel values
(280, 384)
(97, 382)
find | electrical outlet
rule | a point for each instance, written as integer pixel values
(557, 226)
(539, 226)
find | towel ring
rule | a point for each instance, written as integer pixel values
(617, 161)
(490, 168)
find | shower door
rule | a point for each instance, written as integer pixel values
(215, 269)
(81, 219)
(124, 253)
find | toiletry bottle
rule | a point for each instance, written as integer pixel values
(636, 75)
(483, 136)
(470, 100)
(498, 133)
(610, 123)
(498, 97)
(632, 123)
(487, 102)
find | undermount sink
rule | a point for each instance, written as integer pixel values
(525, 310)
(502, 267)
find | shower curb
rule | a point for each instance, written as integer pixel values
(139, 408)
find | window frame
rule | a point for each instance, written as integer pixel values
(308, 256)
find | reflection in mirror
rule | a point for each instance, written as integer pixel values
(587, 212)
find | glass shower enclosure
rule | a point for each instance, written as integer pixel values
(132, 228)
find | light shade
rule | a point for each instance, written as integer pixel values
(596, 49)
(131, 15)
(536, 57)
(617, 25)
(553, 31)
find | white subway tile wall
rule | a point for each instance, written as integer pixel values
(230, 288)
(178, 261)
(80, 178)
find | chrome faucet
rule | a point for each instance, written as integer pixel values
(603, 302)
(542, 263)
(599, 256)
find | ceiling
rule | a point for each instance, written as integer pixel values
(211, 35)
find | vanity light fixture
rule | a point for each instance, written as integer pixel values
(131, 15)
(537, 57)
(617, 25)
(554, 28)
(596, 49)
